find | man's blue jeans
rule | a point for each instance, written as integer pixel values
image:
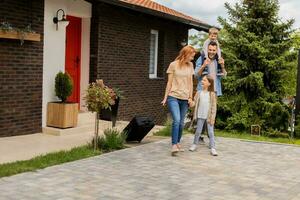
(178, 109)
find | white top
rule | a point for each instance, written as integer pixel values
(204, 105)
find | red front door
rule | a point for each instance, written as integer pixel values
(73, 55)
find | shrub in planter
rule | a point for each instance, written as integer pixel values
(63, 86)
(62, 114)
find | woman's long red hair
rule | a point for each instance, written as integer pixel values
(184, 53)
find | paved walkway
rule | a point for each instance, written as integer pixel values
(242, 171)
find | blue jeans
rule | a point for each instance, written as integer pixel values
(178, 109)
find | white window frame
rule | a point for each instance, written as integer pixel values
(154, 75)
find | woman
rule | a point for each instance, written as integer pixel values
(179, 92)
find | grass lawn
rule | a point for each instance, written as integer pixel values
(234, 134)
(247, 136)
(47, 160)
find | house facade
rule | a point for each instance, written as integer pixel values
(127, 43)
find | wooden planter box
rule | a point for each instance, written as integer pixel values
(62, 115)
(18, 36)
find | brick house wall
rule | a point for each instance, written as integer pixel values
(120, 50)
(21, 70)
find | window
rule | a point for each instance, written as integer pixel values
(153, 54)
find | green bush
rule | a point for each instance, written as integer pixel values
(111, 140)
(238, 114)
(63, 86)
(271, 133)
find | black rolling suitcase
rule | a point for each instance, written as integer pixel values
(138, 128)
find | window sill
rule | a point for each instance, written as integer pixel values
(157, 78)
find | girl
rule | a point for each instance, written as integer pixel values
(205, 110)
(179, 92)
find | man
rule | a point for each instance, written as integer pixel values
(212, 63)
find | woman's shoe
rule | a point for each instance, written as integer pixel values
(179, 148)
(174, 150)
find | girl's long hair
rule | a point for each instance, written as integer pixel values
(211, 88)
(184, 53)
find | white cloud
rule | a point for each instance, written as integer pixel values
(289, 10)
(209, 11)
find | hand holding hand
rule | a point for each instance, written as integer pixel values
(191, 103)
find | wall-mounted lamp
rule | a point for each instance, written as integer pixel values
(63, 19)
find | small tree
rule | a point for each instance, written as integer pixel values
(99, 97)
(63, 86)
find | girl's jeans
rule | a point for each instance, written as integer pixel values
(178, 109)
(210, 130)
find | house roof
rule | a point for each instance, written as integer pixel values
(156, 9)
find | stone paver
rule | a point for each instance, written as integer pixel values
(243, 170)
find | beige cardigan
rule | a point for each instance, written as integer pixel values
(212, 107)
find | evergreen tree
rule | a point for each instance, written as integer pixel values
(256, 46)
(296, 39)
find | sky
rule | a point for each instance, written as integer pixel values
(209, 10)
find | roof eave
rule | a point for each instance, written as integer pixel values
(196, 25)
(193, 24)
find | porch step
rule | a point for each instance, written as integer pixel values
(87, 128)
(86, 125)
(86, 117)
